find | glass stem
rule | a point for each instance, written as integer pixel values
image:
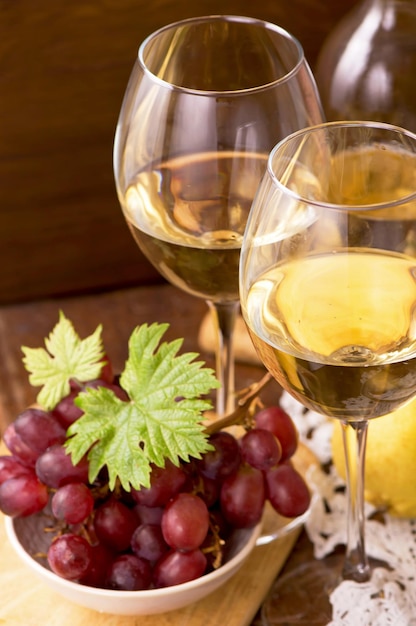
(356, 565)
(224, 318)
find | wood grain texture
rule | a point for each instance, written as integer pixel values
(64, 67)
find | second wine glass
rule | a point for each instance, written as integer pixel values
(207, 99)
(328, 291)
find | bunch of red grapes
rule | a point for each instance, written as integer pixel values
(170, 533)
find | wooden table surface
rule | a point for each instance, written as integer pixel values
(119, 312)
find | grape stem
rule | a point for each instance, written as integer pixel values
(239, 415)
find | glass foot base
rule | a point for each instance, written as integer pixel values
(302, 596)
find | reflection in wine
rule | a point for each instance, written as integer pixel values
(341, 349)
(188, 217)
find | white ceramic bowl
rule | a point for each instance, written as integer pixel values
(27, 537)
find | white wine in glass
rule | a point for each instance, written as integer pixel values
(207, 99)
(328, 291)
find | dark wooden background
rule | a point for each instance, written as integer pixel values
(64, 67)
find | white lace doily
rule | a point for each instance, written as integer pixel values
(389, 598)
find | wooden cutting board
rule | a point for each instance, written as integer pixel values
(25, 601)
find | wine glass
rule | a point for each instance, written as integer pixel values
(207, 99)
(328, 292)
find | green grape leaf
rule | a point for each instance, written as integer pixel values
(162, 419)
(66, 357)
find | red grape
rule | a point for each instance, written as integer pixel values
(39, 429)
(23, 496)
(129, 573)
(275, 419)
(287, 491)
(148, 543)
(18, 447)
(69, 556)
(185, 522)
(55, 468)
(260, 448)
(149, 514)
(175, 568)
(114, 524)
(66, 411)
(12, 467)
(243, 496)
(101, 560)
(165, 482)
(223, 460)
(73, 503)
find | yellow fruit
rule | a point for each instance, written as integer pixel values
(390, 460)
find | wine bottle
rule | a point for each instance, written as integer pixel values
(366, 68)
